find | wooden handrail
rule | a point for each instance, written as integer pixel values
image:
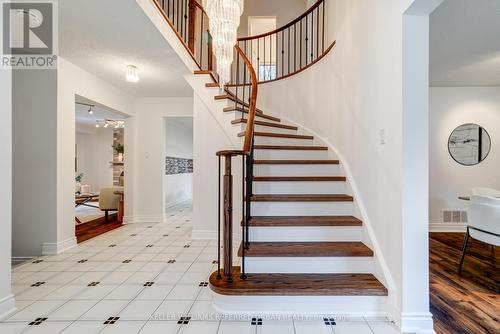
(247, 146)
(307, 12)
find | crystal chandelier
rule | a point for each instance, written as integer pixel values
(224, 18)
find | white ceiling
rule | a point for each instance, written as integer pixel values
(465, 43)
(100, 112)
(103, 37)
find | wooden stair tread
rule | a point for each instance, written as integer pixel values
(257, 113)
(302, 198)
(298, 178)
(298, 285)
(285, 221)
(307, 249)
(291, 147)
(203, 72)
(296, 162)
(277, 135)
(262, 123)
(212, 85)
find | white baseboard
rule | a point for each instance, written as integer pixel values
(447, 227)
(204, 235)
(419, 323)
(20, 259)
(7, 306)
(53, 248)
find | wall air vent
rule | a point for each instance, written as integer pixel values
(454, 216)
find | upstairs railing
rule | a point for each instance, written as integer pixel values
(190, 22)
(290, 49)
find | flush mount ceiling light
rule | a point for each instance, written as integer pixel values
(90, 110)
(132, 74)
(105, 123)
(224, 21)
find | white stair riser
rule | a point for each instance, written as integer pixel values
(296, 170)
(309, 265)
(262, 128)
(299, 187)
(259, 140)
(290, 154)
(306, 234)
(348, 306)
(257, 117)
(302, 208)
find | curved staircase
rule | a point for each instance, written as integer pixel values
(304, 237)
(303, 248)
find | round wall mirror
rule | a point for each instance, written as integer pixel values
(469, 144)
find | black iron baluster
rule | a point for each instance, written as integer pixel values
(201, 42)
(282, 52)
(295, 47)
(300, 44)
(249, 190)
(218, 222)
(317, 33)
(258, 58)
(312, 35)
(264, 59)
(323, 33)
(243, 217)
(288, 50)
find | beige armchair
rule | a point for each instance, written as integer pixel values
(108, 200)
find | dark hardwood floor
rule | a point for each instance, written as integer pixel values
(96, 227)
(468, 303)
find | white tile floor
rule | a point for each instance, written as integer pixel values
(100, 287)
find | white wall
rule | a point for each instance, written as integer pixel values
(147, 147)
(7, 304)
(34, 178)
(178, 144)
(94, 152)
(449, 108)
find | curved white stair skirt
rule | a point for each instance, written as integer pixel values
(339, 306)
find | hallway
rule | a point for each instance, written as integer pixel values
(142, 278)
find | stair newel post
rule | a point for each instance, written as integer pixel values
(228, 218)
(219, 276)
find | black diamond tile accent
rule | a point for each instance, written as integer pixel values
(112, 246)
(127, 261)
(111, 320)
(37, 321)
(187, 246)
(93, 283)
(165, 235)
(203, 284)
(37, 284)
(133, 235)
(329, 321)
(183, 320)
(214, 262)
(83, 261)
(171, 261)
(256, 321)
(37, 261)
(149, 246)
(177, 227)
(149, 283)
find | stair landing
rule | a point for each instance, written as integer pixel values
(298, 285)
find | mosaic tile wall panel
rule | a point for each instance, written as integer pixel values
(178, 166)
